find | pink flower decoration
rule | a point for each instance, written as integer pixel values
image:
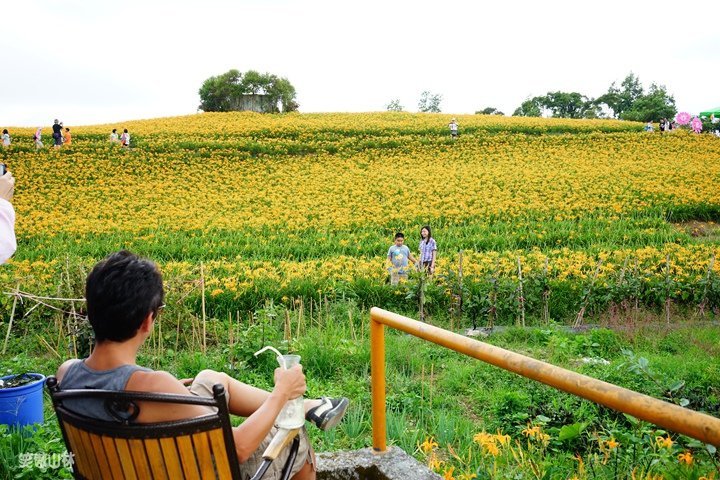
(683, 118)
(696, 125)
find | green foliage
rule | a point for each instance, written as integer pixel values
(630, 102)
(560, 105)
(651, 107)
(605, 343)
(394, 106)
(401, 431)
(532, 107)
(510, 408)
(217, 93)
(356, 422)
(620, 99)
(571, 432)
(569, 105)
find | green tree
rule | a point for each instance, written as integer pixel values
(559, 104)
(222, 93)
(281, 91)
(531, 107)
(569, 105)
(394, 106)
(622, 98)
(217, 93)
(429, 102)
(651, 107)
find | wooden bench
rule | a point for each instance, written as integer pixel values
(195, 448)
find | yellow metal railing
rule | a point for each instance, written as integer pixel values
(703, 427)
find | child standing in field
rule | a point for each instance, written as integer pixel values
(68, 138)
(114, 136)
(37, 138)
(125, 139)
(428, 250)
(398, 256)
(5, 138)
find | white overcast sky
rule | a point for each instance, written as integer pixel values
(94, 61)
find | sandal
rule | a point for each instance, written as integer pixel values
(329, 413)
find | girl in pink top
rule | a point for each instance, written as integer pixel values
(428, 249)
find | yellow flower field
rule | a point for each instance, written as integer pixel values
(505, 176)
(316, 198)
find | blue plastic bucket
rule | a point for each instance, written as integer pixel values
(22, 405)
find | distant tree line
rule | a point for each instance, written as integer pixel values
(224, 92)
(629, 101)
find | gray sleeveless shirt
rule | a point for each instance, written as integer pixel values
(79, 375)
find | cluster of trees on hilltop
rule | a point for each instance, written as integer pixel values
(224, 92)
(629, 101)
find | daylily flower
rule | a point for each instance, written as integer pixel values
(492, 449)
(686, 458)
(503, 439)
(665, 442)
(449, 474)
(428, 445)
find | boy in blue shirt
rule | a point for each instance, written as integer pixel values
(398, 256)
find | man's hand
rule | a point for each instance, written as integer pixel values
(7, 186)
(290, 382)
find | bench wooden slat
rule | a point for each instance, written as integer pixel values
(172, 460)
(187, 457)
(113, 458)
(73, 435)
(94, 469)
(204, 458)
(126, 459)
(155, 457)
(217, 445)
(137, 449)
(100, 455)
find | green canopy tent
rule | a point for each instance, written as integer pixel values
(713, 111)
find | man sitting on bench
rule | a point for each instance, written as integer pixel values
(124, 296)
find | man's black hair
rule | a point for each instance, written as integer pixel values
(399, 235)
(121, 290)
